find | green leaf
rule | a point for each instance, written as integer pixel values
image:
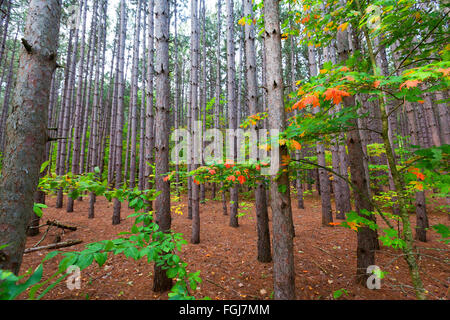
(44, 166)
(101, 258)
(171, 273)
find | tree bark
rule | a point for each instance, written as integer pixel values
(283, 270)
(162, 204)
(27, 129)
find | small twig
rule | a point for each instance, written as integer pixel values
(225, 289)
(319, 266)
(43, 237)
(323, 250)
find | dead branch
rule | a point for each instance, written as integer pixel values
(60, 245)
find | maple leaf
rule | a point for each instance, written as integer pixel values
(231, 178)
(376, 84)
(444, 71)
(241, 179)
(310, 99)
(305, 19)
(417, 185)
(336, 95)
(212, 172)
(285, 160)
(349, 78)
(296, 145)
(410, 84)
(343, 27)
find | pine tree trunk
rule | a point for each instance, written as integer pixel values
(162, 204)
(366, 238)
(195, 128)
(262, 216)
(27, 129)
(232, 110)
(283, 257)
(120, 104)
(134, 97)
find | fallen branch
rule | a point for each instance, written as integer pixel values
(43, 237)
(61, 226)
(60, 245)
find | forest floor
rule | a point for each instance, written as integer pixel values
(325, 257)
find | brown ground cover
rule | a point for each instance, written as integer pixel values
(325, 257)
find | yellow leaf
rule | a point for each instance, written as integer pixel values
(343, 27)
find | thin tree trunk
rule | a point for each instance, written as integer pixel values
(120, 104)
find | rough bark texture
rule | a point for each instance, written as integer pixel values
(27, 128)
(262, 218)
(232, 110)
(367, 239)
(283, 269)
(120, 103)
(195, 128)
(162, 204)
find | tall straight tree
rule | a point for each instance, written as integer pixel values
(149, 114)
(283, 255)
(134, 96)
(262, 215)
(195, 237)
(78, 105)
(232, 110)
(143, 99)
(120, 104)
(162, 204)
(325, 196)
(27, 128)
(218, 89)
(367, 239)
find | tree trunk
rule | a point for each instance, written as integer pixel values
(283, 270)
(262, 216)
(27, 129)
(232, 111)
(120, 103)
(162, 204)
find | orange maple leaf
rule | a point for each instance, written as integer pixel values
(349, 78)
(444, 71)
(296, 145)
(410, 84)
(285, 160)
(336, 95)
(241, 179)
(311, 99)
(376, 84)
